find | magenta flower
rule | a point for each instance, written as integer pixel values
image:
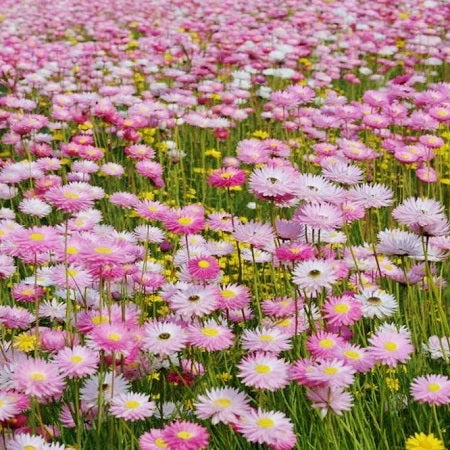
(183, 435)
(203, 268)
(227, 177)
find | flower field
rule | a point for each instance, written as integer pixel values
(224, 225)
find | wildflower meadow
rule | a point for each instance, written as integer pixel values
(224, 224)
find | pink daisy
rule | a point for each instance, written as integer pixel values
(151, 170)
(39, 379)
(294, 252)
(184, 221)
(280, 306)
(323, 216)
(431, 389)
(8, 406)
(268, 427)
(269, 340)
(370, 195)
(124, 199)
(109, 384)
(131, 406)
(152, 440)
(344, 310)
(194, 301)
(70, 198)
(264, 371)
(219, 221)
(203, 268)
(330, 398)
(111, 338)
(183, 435)
(314, 276)
(71, 277)
(151, 210)
(233, 296)
(27, 293)
(257, 234)
(33, 240)
(278, 184)
(227, 177)
(323, 344)
(77, 362)
(223, 405)
(210, 336)
(164, 338)
(331, 372)
(355, 356)
(389, 346)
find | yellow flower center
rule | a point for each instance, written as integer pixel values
(159, 442)
(265, 422)
(36, 236)
(76, 359)
(266, 338)
(72, 250)
(390, 346)
(103, 250)
(341, 308)
(226, 175)
(37, 376)
(263, 368)
(184, 435)
(28, 291)
(71, 195)
(114, 337)
(131, 404)
(434, 387)
(185, 220)
(223, 402)
(284, 322)
(352, 354)
(203, 264)
(326, 343)
(97, 320)
(330, 370)
(227, 293)
(72, 273)
(210, 331)
(29, 447)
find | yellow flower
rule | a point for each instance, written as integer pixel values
(225, 376)
(260, 134)
(421, 441)
(393, 384)
(213, 153)
(25, 343)
(147, 195)
(85, 126)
